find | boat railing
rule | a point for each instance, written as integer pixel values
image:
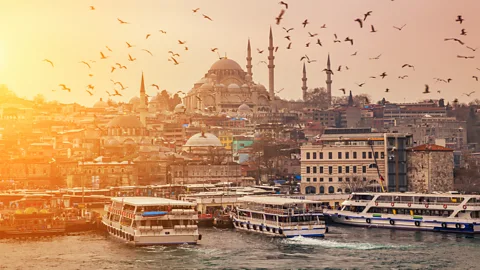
(419, 203)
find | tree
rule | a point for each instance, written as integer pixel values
(358, 100)
(356, 184)
(39, 99)
(318, 97)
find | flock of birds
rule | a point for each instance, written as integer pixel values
(175, 56)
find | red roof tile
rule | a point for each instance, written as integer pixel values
(430, 147)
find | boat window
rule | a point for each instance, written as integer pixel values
(362, 197)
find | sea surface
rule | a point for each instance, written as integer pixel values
(342, 248)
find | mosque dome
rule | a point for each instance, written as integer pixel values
(224, 64)
(179, 108)
(245, 85)
(202, 81)
(260, 86)
(207, 86)
(203, 140)
(134, 100)
(244, 108)
(111, 143)
(100, 104)
(233, 86)
(125, 121)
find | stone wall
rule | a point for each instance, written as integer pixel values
(430, 171)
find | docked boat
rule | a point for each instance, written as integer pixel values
(414, 211)
(30, 223)
(152, 221)
(277, 216)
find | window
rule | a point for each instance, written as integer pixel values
(314, 179)
(382, 155)
(354, 169)
(308, 179)
(376, 154)
(364, 169)
(347, 155)
(314, 155)
(330, 155)
(330, 169)
(331, 189)
(354, 155)
(339, 190)
(364, 179)
(330, 179)
(347, 169)
(308, 155)
(321, 155)
(308, 169)
(322, 190)
(339, 155)
(340, 179)
(364, 155)
(314, 169)
(320, 169)
(321, 179)
(370, 155)
(339, 169)
(347, 179)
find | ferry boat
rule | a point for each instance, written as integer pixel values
(414, 211)
(30, 223)
(152, 221)
(277, 216)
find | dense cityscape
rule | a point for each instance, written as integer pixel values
(239, 135)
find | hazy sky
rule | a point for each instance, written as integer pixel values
(68, 32)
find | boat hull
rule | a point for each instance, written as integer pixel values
(287, 232)
(439, 224)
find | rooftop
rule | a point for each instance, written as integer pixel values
(430, 147)
(273, 200)
(150, 201)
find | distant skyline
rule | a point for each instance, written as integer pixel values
(68, 32)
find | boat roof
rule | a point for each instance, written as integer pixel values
(273, 200)
(150, 201)
(445, 194)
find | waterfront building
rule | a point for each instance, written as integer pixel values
(430, 168)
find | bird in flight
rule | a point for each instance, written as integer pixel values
(92, 8)
(399, 28)
(259, 51)
(408, 65)
(48, 61)
(195, 10)
(175, 62)
(323, 26)
(108, 48)
(121, 85)
(287, 30)
(472, 48)
(312, 35)
(366, 15)
(305, 22)
(372, 77)
(376, 58)
(475, 77)
(463, 32)
(83, 62)
(427, 89)
(90, 87)
(349, 39)
(336, 39)
(122, 22)
(181, 42)
(163, 32)
(353, 54)
(403, 77)
(129, 45)
(359, 22)
(283, 3)
(279, 18)
(459, 19)
(287, 37)
(112, 70)
(469, 94)
(289, 46)
(213, 49)
(108, 93)
(148, 51)
(465, 57)
(156, 86)
(343, 90)
(207, 17)
(116, 93)
(339, 69)
(372, 29)
(383, 75)
(307, 44)
(102, 56)
(305, 57)
(130, 58)
(64, 87)
(360, 84)
(387, 90)
(319, 42)
(328, 71)
(173, 54)
(90, 92)
(147, 36)
(262, 62)
(455, 39)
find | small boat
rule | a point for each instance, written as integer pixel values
(31, 223)
(411, 211)
(277, 216)
(152, 221)
(223, 221)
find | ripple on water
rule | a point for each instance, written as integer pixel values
(334, 244)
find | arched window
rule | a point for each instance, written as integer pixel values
(322, 190)
(339, 190)
(347, 190)
(331, 189)
(310, 190)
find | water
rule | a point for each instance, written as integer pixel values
(343, 248)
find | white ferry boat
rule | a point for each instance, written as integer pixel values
(414, 211)
(283, 217)
(152, 221)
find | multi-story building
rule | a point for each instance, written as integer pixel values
(346, 160)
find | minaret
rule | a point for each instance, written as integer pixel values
(142, 108)
(329, 82)
(271, 67)
(350, 99)
(304, 86)
(249, 59)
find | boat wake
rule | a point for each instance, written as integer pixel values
(334, 244)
